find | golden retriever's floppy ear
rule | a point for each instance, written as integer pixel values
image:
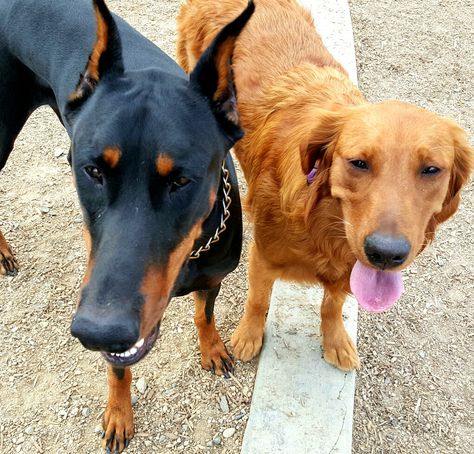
(460, 173)
(314, 148)
(318, 149)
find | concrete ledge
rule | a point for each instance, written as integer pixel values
(300, 403)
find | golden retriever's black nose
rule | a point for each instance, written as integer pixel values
(386, 251)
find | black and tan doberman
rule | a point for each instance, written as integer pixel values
(151, 164)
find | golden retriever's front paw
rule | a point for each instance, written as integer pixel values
(247, 338)
(118, 428)
(340, 351)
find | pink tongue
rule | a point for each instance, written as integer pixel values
(375, 291)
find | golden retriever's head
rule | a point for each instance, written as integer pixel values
(397, 170)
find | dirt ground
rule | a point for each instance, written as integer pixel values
(415, 390)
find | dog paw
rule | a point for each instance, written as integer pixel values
(118, 428)
(340, 351)
(247, 339)
(8, 264)
(216, 358)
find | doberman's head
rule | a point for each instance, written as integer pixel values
(147, 149)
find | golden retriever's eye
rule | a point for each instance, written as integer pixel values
(359, 164)
(430, 170)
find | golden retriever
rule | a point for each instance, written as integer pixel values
(342, 192)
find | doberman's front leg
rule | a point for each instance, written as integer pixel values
(118, 417)
(8, 264)
(214, 355)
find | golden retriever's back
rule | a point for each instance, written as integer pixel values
(279, 36)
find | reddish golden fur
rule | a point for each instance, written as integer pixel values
(298, 107)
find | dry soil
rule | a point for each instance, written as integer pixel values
(415, 389)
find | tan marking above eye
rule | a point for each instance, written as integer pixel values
(111, 156)
(164, 164)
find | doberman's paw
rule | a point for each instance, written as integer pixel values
(8, 264)
(216, 358)
(118, 428)
(339, 350)
(247, 338)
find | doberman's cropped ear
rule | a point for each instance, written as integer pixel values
(105, 58)
(213, 76)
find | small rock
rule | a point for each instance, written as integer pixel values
(86, 412)
(44, 210)
(141, 385)
(228, 432)
(224, 405)
(58, 152)
(20, 440)
(134, 399)
(456, 296)
(74, 411)
(239, 415)
(29, 430)
(217, 441)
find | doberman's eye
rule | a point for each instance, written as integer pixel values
(430, 170)
(359, 164)
(95, 174)
(179, 183)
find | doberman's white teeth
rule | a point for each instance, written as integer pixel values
(132, 351)
(140, 343)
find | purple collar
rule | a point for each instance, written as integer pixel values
(311, 175)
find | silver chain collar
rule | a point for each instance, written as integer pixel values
(224, 216)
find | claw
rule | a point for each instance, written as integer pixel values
(9, 265)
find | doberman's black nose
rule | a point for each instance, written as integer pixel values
(107, 334)
(385, 251)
